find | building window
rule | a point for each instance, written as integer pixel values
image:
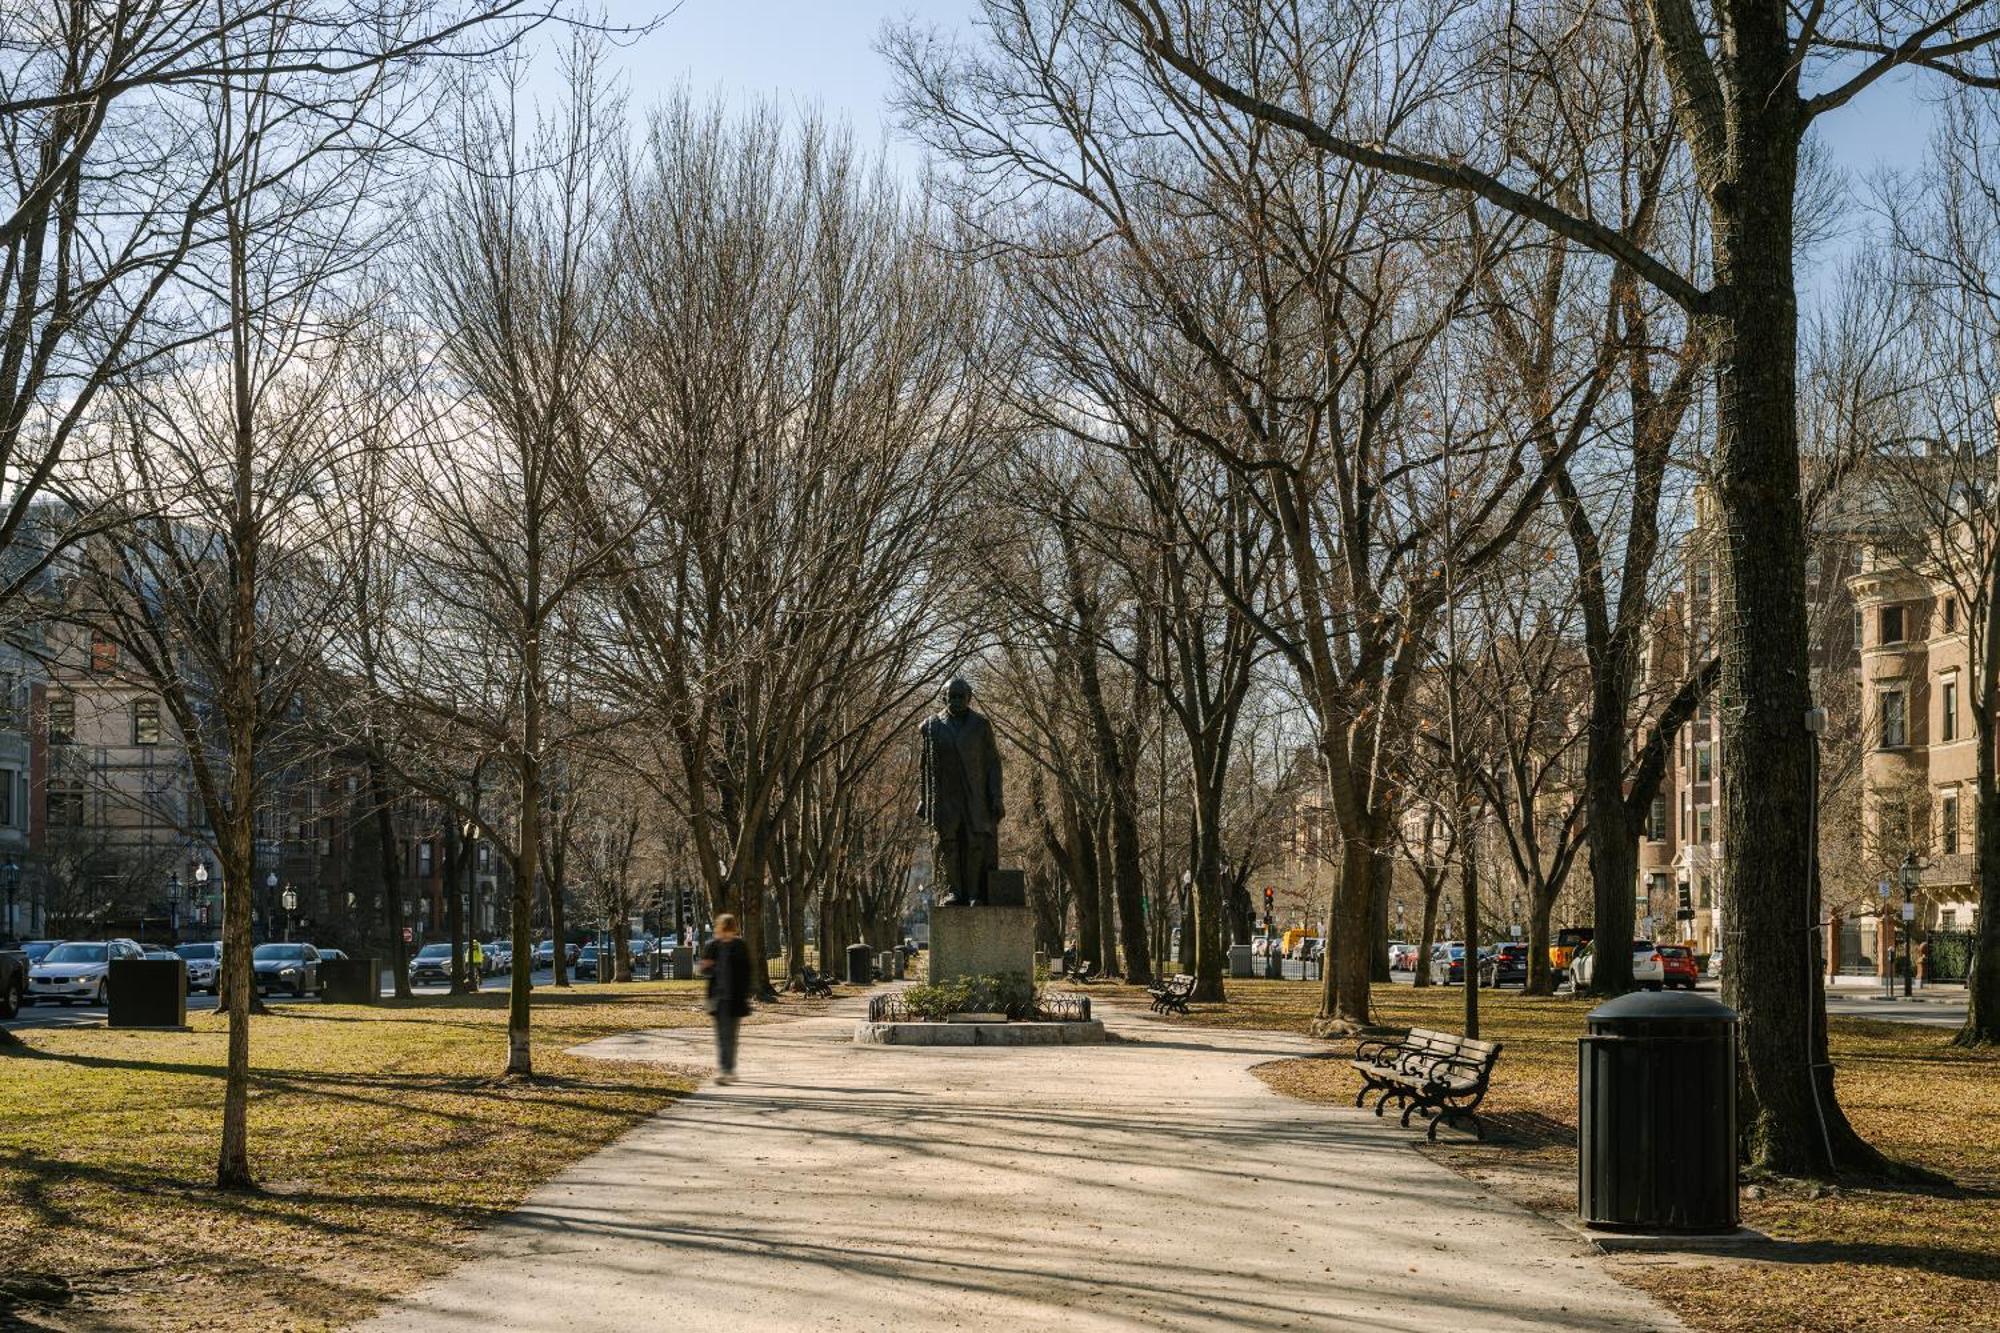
(146, 721)
(1948, 708)
(1950, 614)
(1857, 631)
(1948, 824)
(1704, 825)
(62, 719)
(65, 809)
(424, 859)
(103, 655)
(1893, 719)
(1948, 918)
(7, 797)
(1687, 806)
(1702, 581)
(1892, 624)
(1704, 763)
(1656, 820)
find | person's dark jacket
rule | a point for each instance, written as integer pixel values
(729, 979)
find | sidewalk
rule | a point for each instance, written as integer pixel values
(1151, 1183)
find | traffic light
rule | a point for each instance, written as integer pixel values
(1270, 910)
(1687, 901)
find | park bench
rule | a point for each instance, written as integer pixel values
(1081, 972)
(1171, 996)
(1441, 1075)
(812, 983)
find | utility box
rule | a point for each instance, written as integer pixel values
(351, 981)
(683, 964)
(1656, 1094)
(1241, 965)
(146, 993)
(860, 965)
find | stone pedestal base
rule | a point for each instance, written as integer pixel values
(981, 942)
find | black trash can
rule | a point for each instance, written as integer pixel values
(860, 965)
(1656, 1102)
(146, 993)
(351, 981)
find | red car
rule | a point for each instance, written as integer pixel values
(1677, 962)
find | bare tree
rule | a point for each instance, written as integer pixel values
(1943, 494)
(1740, 74)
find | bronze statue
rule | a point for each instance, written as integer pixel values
(960, 797)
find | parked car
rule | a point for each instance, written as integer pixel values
(1402, 957)
(1715, 962)
(13, 981)
(292, 967)
(1677, 966)
(204, 966)
(77, 970)
(1504, 965)
(1448, 963)
(499, 957)
(38, 949)
(1568, 940)
(431, 966)
(586, 963)
(1648, 969)
(545, 954)
(333, 955)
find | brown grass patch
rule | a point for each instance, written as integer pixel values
(382, 1136)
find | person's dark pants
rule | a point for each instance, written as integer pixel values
(961, 862)
(726, 1026)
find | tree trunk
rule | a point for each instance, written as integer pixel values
(1614, 841)
(237, 853)
(1107, 892)
(1433, 890)
(389, 855)
(1344, 997)
(1468, 884)
(1378, 922)
(1207, 927)
(1793, 1122)
(558, 924)
(1982, 987)
(461, 965)
(1541, 976)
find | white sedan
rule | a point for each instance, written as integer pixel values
(1648, 968)
(77, 970)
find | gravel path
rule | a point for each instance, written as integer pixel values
(1150, 1183)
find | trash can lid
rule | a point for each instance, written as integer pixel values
(1655, 1006)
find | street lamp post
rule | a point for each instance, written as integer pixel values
(270, 898)
(290, 899)
(201, 888)
(1909, 915)
(174, 905)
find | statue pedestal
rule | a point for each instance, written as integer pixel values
(986, 941)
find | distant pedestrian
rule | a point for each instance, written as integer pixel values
(725, 961)
(478, 963)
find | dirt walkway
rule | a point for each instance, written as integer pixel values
(1150, 1183)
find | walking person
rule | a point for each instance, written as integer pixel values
(725, 961)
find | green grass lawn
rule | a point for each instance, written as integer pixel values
(381, 1135)
(1853, 1258)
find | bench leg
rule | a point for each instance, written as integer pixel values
(1463, 1119)
(1388, 1093)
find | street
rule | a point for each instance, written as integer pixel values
(50, 1016)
